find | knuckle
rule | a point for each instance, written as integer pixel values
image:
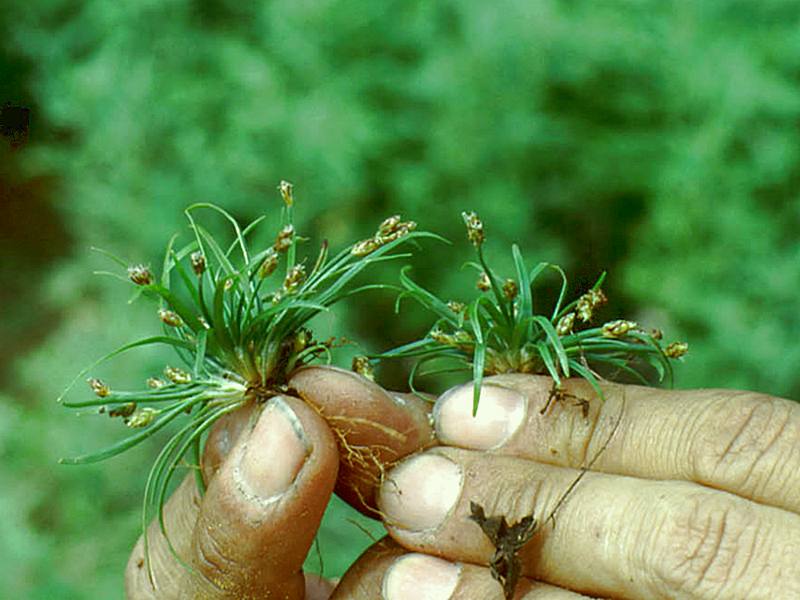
(596, 428)
(743, 439)
(705, 545)
(214, 566)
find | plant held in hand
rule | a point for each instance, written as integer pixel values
(499, 332)
(237, 319)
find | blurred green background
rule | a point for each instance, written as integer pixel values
(655, 139)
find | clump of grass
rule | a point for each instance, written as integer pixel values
(237, 319)
(499, 332)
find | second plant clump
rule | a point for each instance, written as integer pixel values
(498, 331)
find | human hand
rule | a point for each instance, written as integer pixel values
(694, 494)
(269, 476)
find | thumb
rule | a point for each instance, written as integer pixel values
(250, 533)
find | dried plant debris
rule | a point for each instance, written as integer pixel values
(497, 331)
(508, 540)
(236, 316)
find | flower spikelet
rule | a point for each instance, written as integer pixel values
(618, 328)
(676, 349)
(588, 303)
(474, 228)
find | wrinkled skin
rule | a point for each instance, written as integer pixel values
(692, 494)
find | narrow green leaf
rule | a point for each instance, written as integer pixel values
(132, 440)
(188, 282)
(562, 293)
(549, 363)
(233, 222)
(110, 274)
(536, 271)
(497, 289)
(555, 342)
(123, 263)
(479, 359)
(175, 304)
(426, 298)
(166, 268)
(588, 376)
(220, 326)
(157, 339)
(526, 297)
(245, 232)
(200, 352)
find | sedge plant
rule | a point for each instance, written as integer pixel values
(498, 331)
(237, 319)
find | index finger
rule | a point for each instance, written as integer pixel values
(741, 442)
(374, 428)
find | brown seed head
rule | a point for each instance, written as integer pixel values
(456, 307)
(155, 383)
(484, 284)
(140, 275)
(142, 418)
(461, 338)
(389, 230)
(269, 265)
(122, 410)
(98, 387)
(676, 349)
(439, 336)
(198, 263)
(286, 189)
(284, 239)
(169, 317)
(365, 247)
(176, 375)
(294, 278)
(474, 228)
(618, 328)
(588, 303)
(565, 324)
(656, 334)
(389, 225)
(510, 289)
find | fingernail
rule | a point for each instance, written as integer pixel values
(275, 452)
(500, 414)
(420, 576)
(420, 492)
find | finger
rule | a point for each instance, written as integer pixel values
(613, 535)
(318, 588)
(263, 507)
(250, 533)
(180, 514)
(740, 442)
(374, 428)
(389, 572)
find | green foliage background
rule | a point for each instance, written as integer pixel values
(656, 139)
